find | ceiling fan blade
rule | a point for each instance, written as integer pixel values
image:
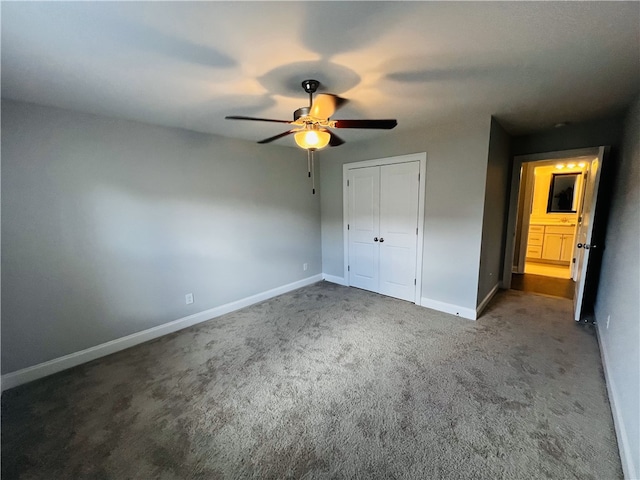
(240, 117)
(335, 140)
(276, 137)
(378, 124)
(325, 105)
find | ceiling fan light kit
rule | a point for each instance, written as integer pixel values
(313, 123)
(312, 139)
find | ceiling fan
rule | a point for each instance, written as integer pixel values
(312, 123)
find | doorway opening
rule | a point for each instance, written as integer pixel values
(550, 206)
(553, 197)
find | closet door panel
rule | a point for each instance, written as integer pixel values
(364, 214)
(399, 193)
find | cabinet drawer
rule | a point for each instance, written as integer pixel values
(534, 251)
(536, 229)
(564, 230)
(535, 239)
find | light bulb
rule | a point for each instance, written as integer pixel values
(560, 166)
(311, 138)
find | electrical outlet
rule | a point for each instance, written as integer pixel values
(188, 298)
(305, 266)
(608, 318)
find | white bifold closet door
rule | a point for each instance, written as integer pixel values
(383, 229)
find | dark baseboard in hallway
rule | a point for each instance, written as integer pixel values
(557, 287)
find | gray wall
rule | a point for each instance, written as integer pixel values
(107, 224)
(496, 202)
(619, 289)
(455, 190)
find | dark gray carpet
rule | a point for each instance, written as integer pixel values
(329, 382)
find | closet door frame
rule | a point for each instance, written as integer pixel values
(412, 157)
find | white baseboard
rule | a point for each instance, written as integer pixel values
(334, 279)
(50, 367)
(626, 457)
(457, 310)
(487, 299)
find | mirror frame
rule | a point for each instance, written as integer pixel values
(553, 194)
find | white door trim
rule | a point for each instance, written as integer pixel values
(412, 157)
(527, 203)
(513, 199)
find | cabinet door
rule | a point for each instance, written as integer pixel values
(399, 186)
(566, 255)
(364, 224)
(552, 247)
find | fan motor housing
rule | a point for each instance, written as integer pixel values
(301, 112)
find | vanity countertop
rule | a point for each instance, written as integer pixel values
(553, 224)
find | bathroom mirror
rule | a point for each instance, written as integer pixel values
(562, 193)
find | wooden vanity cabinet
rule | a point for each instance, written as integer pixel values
(551, 243)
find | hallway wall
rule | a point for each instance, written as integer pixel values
(617, 305)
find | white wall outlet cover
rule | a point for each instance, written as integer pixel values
(188, 298)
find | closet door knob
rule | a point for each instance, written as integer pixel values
(381, 239)
(375, 239)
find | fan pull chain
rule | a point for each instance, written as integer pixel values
(309, 162)
(313, 174)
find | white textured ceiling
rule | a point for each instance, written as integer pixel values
(187, 65)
